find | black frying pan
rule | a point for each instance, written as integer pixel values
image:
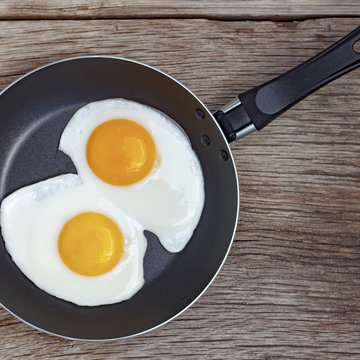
(34, 111)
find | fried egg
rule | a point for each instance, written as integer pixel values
(34, 220)
(80, 236)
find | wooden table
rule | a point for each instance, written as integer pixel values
(290, 288)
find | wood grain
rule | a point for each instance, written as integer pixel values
(290, 288)
(230, 9)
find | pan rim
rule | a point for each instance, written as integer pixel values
(237, 196)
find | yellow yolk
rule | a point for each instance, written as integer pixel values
(90, 244)
(120, 152)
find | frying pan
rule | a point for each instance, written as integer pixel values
(34, 111)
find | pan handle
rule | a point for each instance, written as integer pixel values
(256, 108)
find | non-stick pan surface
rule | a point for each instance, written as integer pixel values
(34, 111)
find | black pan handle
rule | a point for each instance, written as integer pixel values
(256, 108)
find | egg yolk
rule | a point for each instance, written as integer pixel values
(90, 244)
(120, 152)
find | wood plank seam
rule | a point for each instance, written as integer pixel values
(210, 9)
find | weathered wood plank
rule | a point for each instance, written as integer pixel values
(290, 288)
(230, 9)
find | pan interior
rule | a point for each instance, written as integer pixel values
(34, 111)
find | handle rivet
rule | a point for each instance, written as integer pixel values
(205, 140)
(199, 113)
(224, 155)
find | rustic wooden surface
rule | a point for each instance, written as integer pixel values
(290, 288)
(229, 9)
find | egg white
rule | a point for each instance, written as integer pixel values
(31, 220)
(169, 201)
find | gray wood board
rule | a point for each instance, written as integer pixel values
(230, 9)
